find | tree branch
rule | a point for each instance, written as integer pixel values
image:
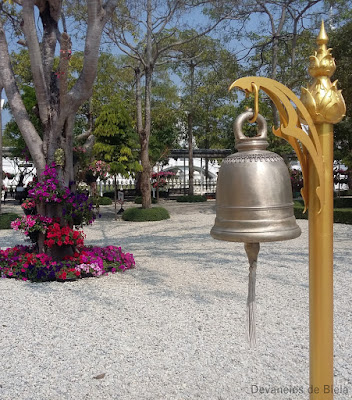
(164, 21)
(65, 54)
(84, 135)
(88, 145)
(119, 40)
(7, 77)
(97, 17)
(178, 43)
(49, 14)
(29, 29)
(139, 100)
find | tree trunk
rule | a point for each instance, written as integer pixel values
(275, 50)
(57, 104)
(157, 184)
(145, 175)
(190, 155)
(144, 131)
(115, 196)
(276, 32)
(206, 160)
(190, 134)
(144, 179)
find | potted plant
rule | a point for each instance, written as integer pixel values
(78, 209)
(28, 207)
(32, 225)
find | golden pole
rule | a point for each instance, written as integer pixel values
(326, 107)
(321, 106)
(321, 276)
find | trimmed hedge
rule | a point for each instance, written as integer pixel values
(345, 192)
(103, 201)
(137, 214)
(138, 200)
(110, 194)
(6, 219)
(127, 192)
(191, 199)
(298, 211)
(341, 215)
(343, 202)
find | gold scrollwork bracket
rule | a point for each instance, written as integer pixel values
(291, 109)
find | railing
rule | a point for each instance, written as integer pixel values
(174, 186)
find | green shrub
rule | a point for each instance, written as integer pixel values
(299, 202)
(343, 202)
(103, 201)
(343, 216)
(345, 192)
(298, 211)
(6, 219)
(191, 199)
(109, 194)
(137, 214)
(138, 200)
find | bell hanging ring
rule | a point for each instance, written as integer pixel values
(254, 194)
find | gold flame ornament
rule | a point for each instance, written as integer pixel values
(322, 99)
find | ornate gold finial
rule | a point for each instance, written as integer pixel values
(322, 99)
(322, 37)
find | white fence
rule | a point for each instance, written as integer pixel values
(173, 186)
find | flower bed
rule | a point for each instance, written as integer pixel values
(21, 262)
(63, 255)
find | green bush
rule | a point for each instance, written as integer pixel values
(345, 192)
(109, 194)
(137, 214)
(191, 199)
(341, 215)
(299, 202)
(343, 202)
(138, 200)
(298, 211)
(6, 219)
(103, 201)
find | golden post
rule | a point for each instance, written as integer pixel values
(326, 106)
(320, 106)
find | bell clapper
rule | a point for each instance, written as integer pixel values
(252, 250)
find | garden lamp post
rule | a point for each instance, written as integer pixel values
(320, 107)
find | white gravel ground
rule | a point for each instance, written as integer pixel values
(174, 327)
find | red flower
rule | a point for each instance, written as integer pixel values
(62, 275)
(50, 242)
(63, 235)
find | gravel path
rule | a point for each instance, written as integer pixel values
(175, 326)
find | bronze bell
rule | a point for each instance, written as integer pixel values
(254, 195)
